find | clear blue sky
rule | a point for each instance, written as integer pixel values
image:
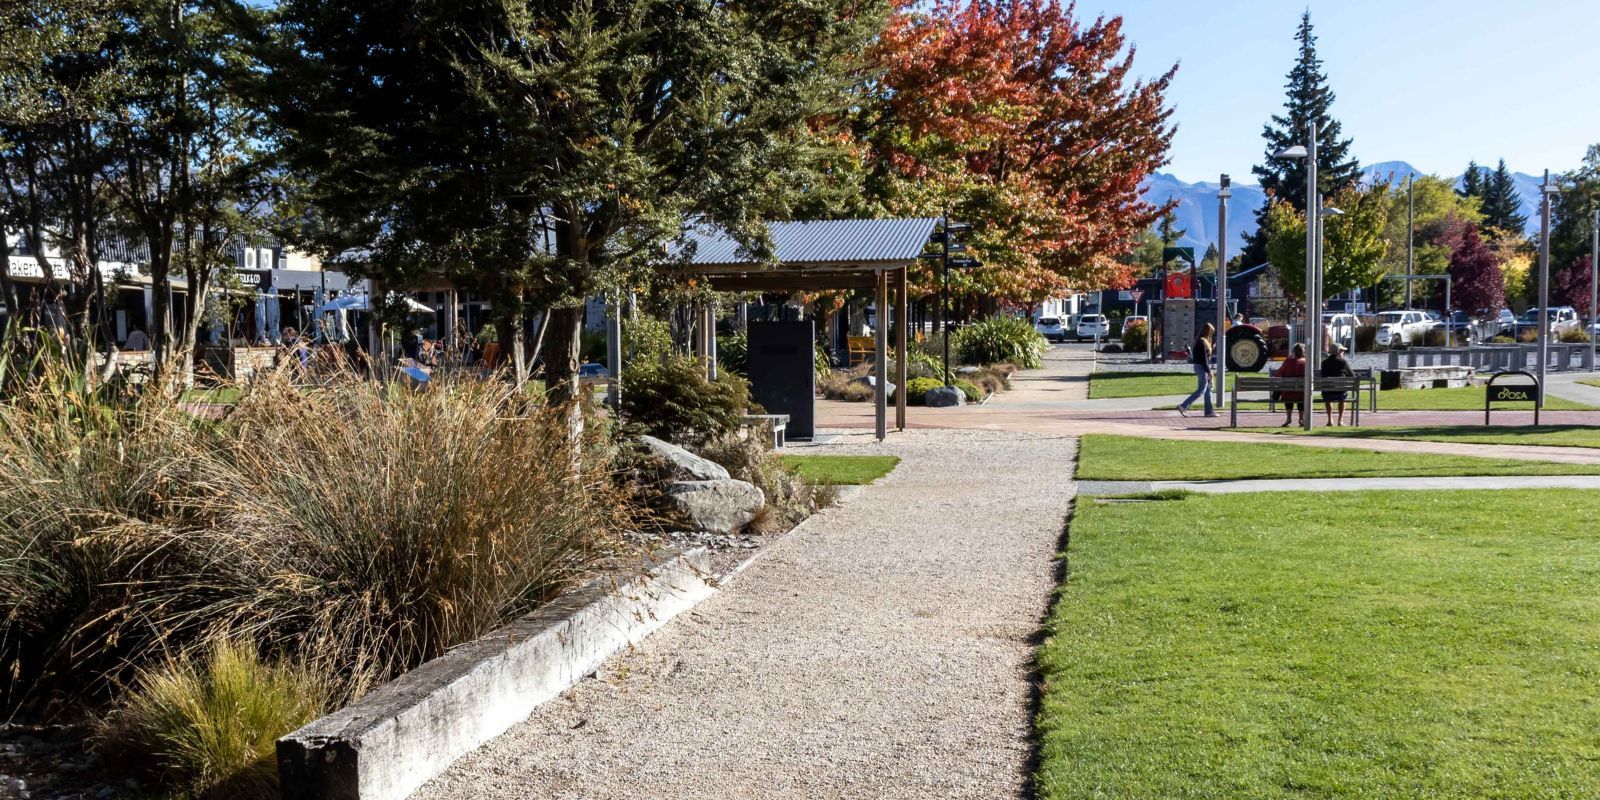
(1431, 82)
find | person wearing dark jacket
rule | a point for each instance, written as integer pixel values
(1335, 366)
(1200, 358)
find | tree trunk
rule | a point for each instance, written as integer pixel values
(561, 356)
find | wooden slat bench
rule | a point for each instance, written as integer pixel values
(1254, 383)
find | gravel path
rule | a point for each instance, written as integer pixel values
(882, 650)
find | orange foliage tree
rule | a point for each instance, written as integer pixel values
(1016, 116)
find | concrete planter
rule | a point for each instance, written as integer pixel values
(389, 743)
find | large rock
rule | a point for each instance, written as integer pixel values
(945, 396)
(721, 506)
(684, 463)
(872, 381)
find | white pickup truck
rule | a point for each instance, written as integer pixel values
(1402, 328)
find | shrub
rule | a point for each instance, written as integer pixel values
(361, 525)
(1136, 336)
(968, 388)
(995, 339)
(733, 353)
(1367, 338)
(1574, 336)
(1501, 338)
(670, 398)
(917, 389)
(1527, 335)
(1435, 337)
(207, 728)
(646, 339)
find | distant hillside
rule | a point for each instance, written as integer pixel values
(1197, 202)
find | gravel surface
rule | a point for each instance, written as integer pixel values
(882, 649)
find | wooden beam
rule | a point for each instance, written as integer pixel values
(902, 321)
(880, 393)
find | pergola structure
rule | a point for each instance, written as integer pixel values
(828, 255)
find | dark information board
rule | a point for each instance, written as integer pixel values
(1522, 387)
(782, 373)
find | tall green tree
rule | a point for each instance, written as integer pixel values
(1354, 245)
(1169, 231)
(191, 178)
(1501, 204)
(1308, 100)
(58, 80)
(1434, 204)
(551, 149)
(1471, 181)
(1572, 210)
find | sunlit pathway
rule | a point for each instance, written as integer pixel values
(882, 650)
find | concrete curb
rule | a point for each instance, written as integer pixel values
(389, 743)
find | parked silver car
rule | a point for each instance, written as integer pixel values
(1092, 325)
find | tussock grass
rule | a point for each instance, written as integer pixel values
(206, 726)
(360, 526)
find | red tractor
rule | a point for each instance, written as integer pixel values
(1246, 348)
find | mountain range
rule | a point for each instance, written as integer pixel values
(1197, 202)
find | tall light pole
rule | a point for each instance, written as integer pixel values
(1219, 344)
(1411, 226)
(1594, 278)
(1546, 190)
(1312, 317)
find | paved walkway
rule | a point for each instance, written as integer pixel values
(881, 650)
(1345, 484)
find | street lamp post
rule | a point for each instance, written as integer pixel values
(1411, 226)
(1594, 280)
(1313, 318)
(1220, 339)
(1546, 190)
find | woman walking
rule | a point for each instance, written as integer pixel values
(1200, 357)
(1335, 366)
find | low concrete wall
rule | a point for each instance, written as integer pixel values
(389, 743)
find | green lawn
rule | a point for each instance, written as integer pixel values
(1369, 645)
(1104, 385)
(222, 395)
(1551, 435)
(1590, 381)
(846, 470)
(1133, 458)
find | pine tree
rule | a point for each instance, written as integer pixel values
(1471, 181)
(1309, 100)
(1169, 230)
(1501, 204)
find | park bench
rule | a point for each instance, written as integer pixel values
(1261, 383)
(777, 425)
(859, 350)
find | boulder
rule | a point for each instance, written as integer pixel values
(945, 396)
(968, 370)
(720, 506)
(872, 380)
(684, 463)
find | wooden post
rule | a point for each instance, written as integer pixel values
(902, 321)
(880, 392)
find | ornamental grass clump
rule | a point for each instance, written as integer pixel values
(996, 339)
(206, 726)
(358, 525)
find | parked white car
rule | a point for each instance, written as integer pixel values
(1051, 329)
(1092, 325)
(1340, 328)
(1402, 328)
(1561, 320)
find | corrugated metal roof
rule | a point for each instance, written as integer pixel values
(840, 242)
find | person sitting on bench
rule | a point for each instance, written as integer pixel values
(1335, 366)
(1293, 367)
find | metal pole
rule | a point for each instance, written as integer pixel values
(1219, 339)
(613, 352)
(1594, 278)
(1544, 283)
(1313, 218)
(1411, 224)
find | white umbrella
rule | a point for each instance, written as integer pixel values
(358, 302)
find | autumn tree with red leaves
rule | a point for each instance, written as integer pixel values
(1476, 282)
(1018, 117)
